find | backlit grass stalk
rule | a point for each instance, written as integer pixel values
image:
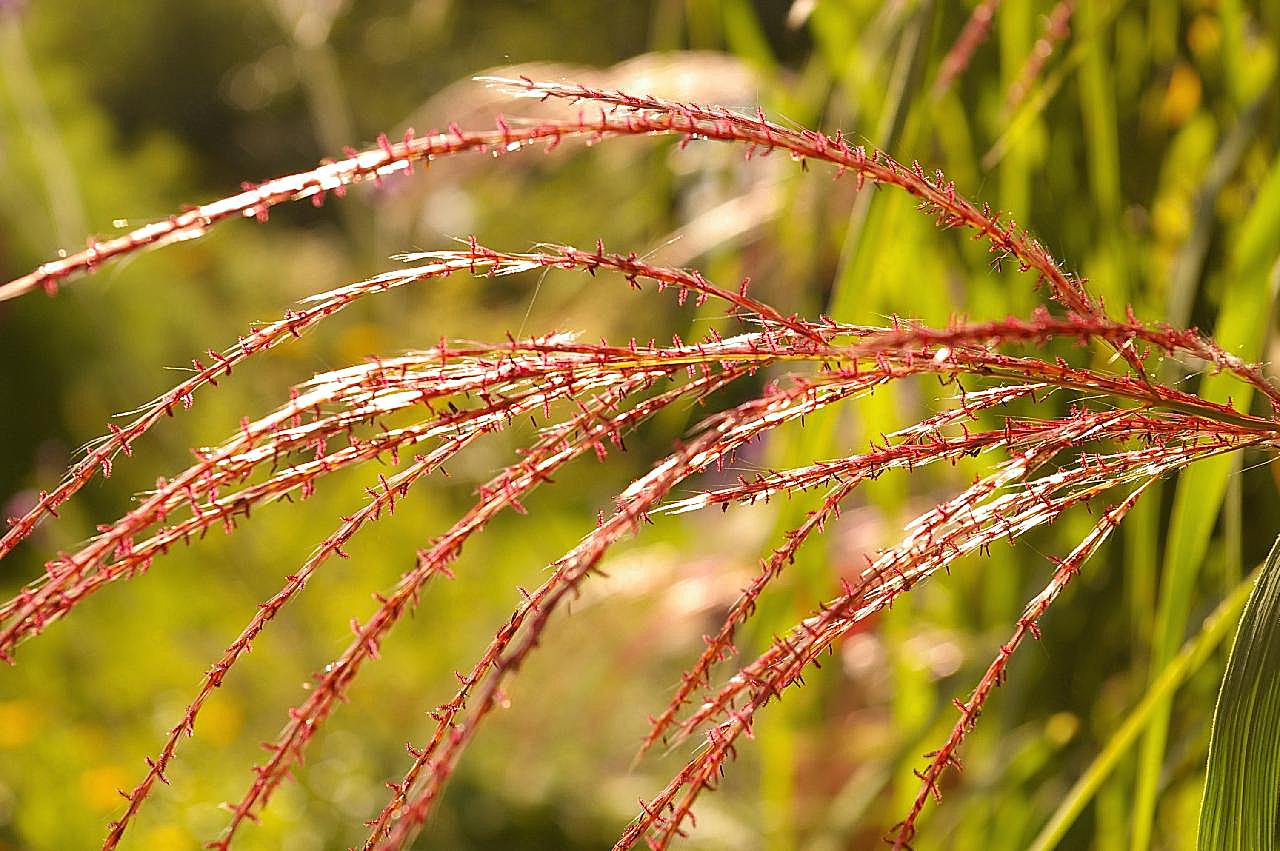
(945, 756)
(382, 498)
(619, 114)
(730, 713)
(726, 433)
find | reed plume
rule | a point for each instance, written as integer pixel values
(1100, 433)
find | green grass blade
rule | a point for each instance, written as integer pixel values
(1190, 659)
(746, 37)
(1240, 791)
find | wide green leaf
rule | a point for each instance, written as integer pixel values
(1243, 779)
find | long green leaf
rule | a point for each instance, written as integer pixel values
(1243, 779)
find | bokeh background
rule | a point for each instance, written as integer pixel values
(1140, 152)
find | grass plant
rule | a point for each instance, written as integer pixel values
(1076, 411)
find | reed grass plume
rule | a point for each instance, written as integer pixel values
(1103, 429)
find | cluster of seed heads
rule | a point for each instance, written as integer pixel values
(587, 397)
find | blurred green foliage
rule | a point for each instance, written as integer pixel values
(1140, 154)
